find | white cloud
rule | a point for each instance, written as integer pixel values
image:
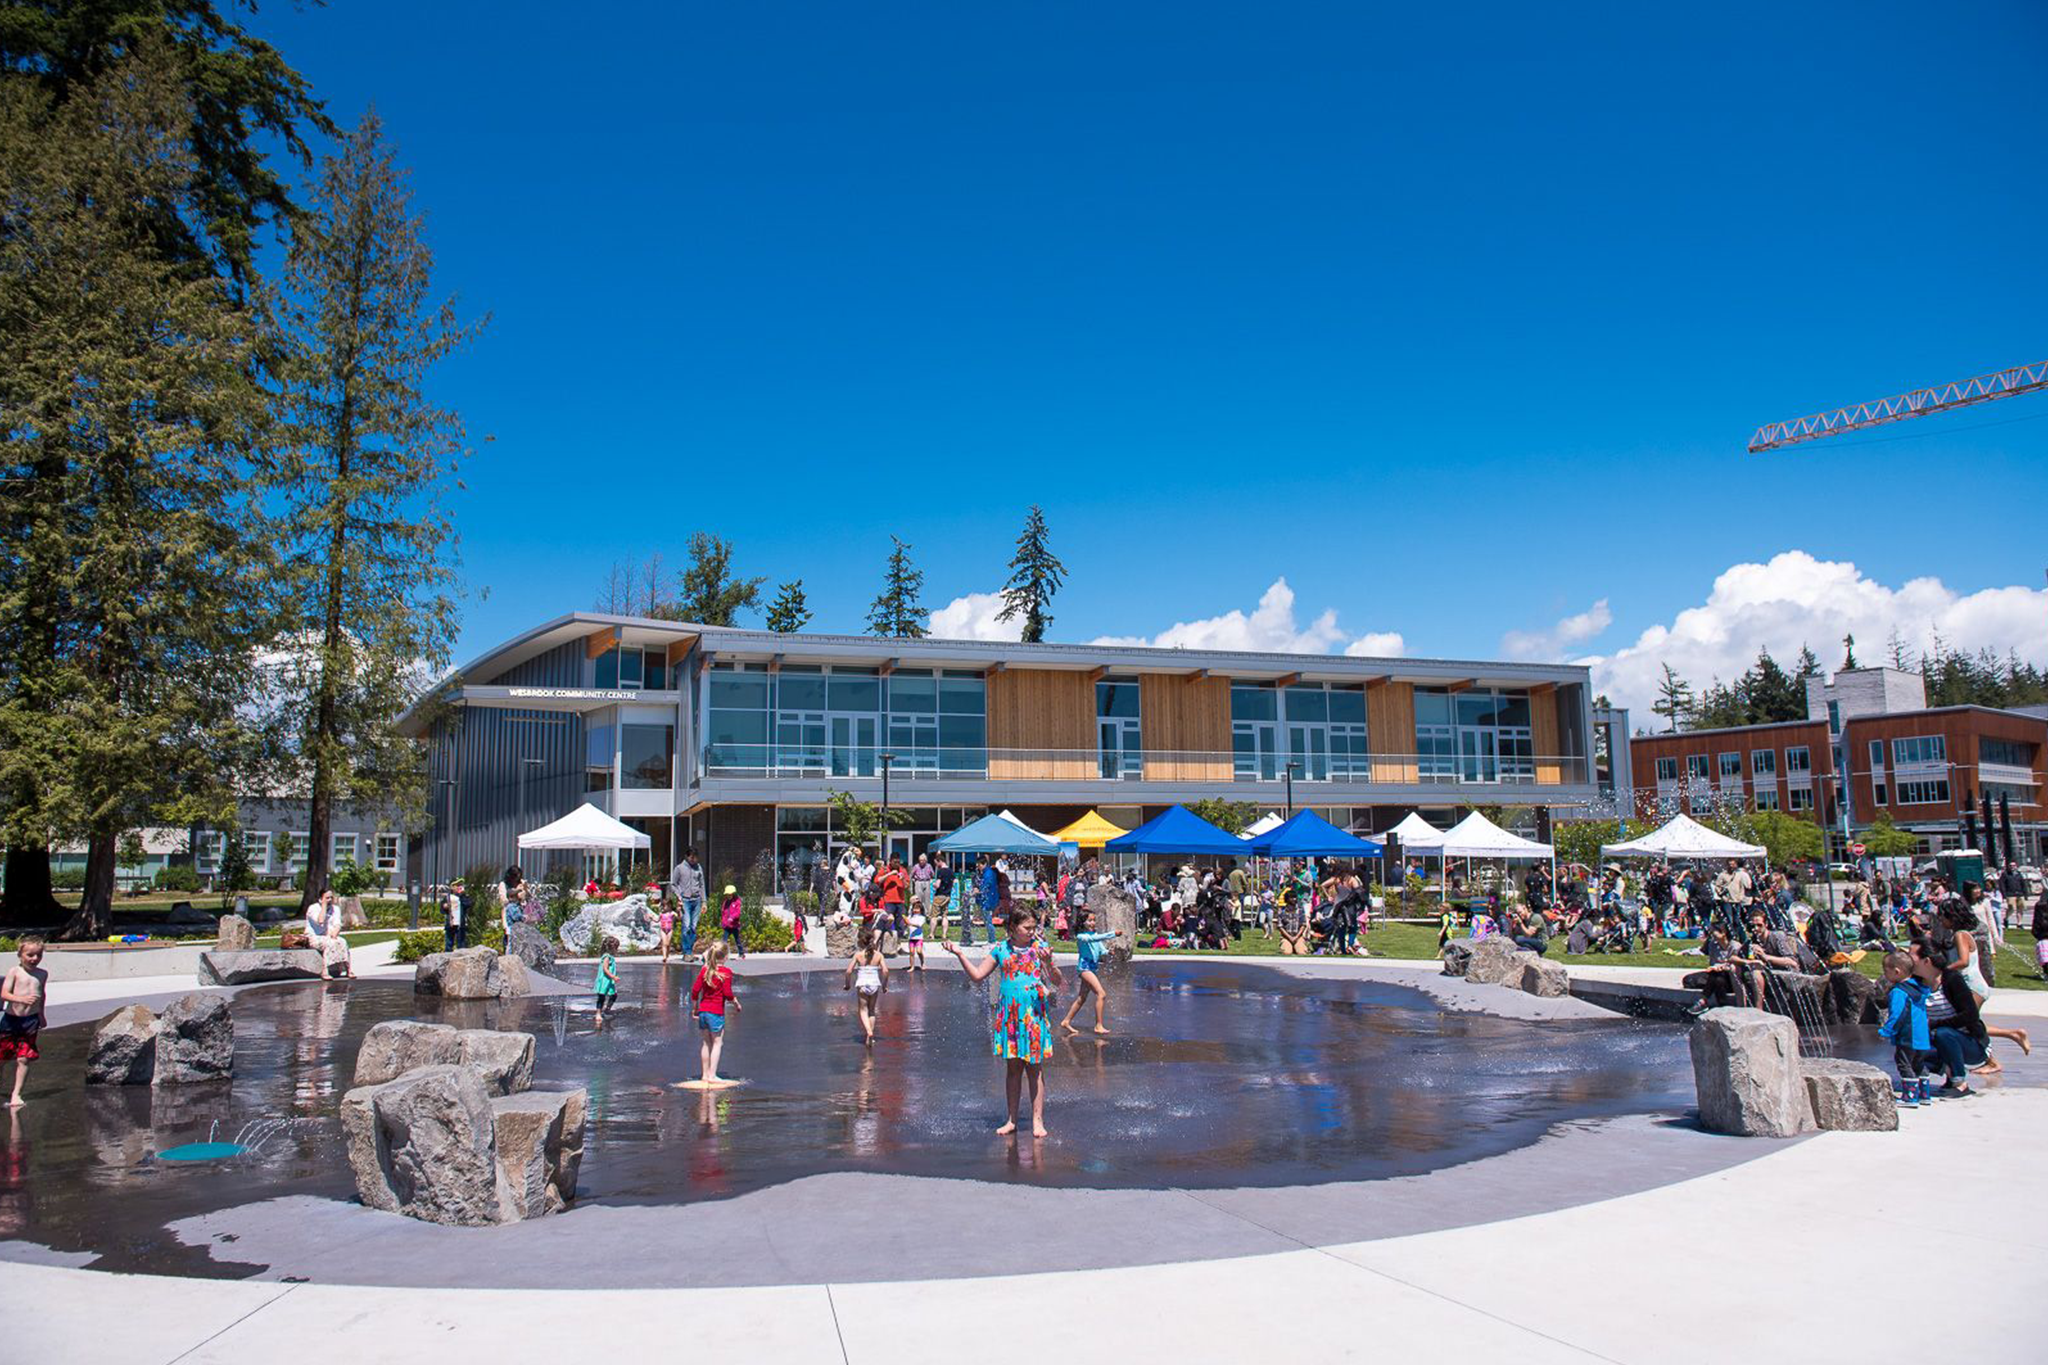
(1548, 645)
(973, 617)
(1269, 627)
(1798, 600)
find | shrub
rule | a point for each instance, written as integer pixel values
(350, 878)
(68, 878)
(413, 947)
(177, 879)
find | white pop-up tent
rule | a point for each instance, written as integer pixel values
(1416, 834)
(1269, 821)
(1475, 836)
(1682, 837)
(585, 830)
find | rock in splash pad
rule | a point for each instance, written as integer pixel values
(202, 1151)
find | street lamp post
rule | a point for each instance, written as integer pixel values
(1292, 764)
(435, 872)
(882, 835)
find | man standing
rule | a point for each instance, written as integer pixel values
(987, 892)
(942, 891)
(687, 881)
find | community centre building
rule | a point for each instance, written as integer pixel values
(1869, 744)
(730, 740)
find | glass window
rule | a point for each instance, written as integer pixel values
(206, 851)
(1798, 760)
(1252, 701)
(963, 694)
(1347, 704)
(800, 689)
(1928, 793)
(1766, 798)
(655, 670)
(913, 692)
(736, 690)
(1432, 706)
(854, 689)
(1117, 698)
(2011, 753)
(1667, 769)
(1802, 798)
(631, 667)
(1731, 767)
(608, 669)
(298, 851)
(1763, 762)
(341, 848)
(1834, 718)
(1920, 749)
(1696, 767)
(256, 845)
(387, 852)
(1309, 703)
(597, 760)
(1514, 708)
(1477, 709)
(801, 819)
(647, 757)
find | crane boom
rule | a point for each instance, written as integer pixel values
(1960, 393)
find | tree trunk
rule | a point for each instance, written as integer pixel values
(30, 902)
(95, 917)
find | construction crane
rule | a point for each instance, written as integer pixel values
(1961, 393)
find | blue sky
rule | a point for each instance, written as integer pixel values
(1455, 318)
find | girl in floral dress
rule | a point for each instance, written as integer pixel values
(1022, 1027)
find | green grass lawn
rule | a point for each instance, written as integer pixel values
(357, 938)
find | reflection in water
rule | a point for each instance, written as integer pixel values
(1218, 1075)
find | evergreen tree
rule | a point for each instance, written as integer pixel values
(897, 614)
(129, 600)
(1674, 699)
(707, 592)
(1035, 577)
(788, 613)
(1848, 651)
(369, 547)
(1771, 693)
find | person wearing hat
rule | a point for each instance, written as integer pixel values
(457, 906)
(729, 912)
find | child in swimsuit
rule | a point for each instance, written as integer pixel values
(914, 939)
(1091, 947)
(607, 984)
(867, 976)
(1022, 1032)
(24, 990)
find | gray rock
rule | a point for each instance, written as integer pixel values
(227, 968)
(1745, 1067)
(1798, 997)
(236, 935)
(1852, 997)
(1457, 956)
(1496, 962)
(1111, 911)
(531, 946)
(123, 1050)
(1849, 1097)
(539, 1137)
(396, 1046)
(465, 974)
(195, 1040)
(629, 919)
(503, 1061)
(841, 940)
(1540, 976)
(424, 1145)
(513, 978)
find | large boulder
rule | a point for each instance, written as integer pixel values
(630, 920)
(424, 1145)
(395, 1046)
(1745, 1067)
(1849, 1097)
(123, 1050)
(1496, 962)
(531, 946)
(1112, 911)
(1541, 976)
(841, 939)
(513, 979)
(195, 1040)
(1799, 997)
(503, 1061)
(1457, 957)
(539, 1137)
(1852, 997)
(235, 935)
(465, 974)
(242, 968)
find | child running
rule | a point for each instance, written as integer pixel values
(1089, 946)
(711, 992)
(1020, 1034)
(867, 976)
(1905, 1024)
(607, 984)
(729, 915)
(24, 991)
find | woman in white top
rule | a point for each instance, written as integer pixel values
(323, 927)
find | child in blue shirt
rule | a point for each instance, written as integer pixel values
(1905, 1023)
(1090, 947)
(606, 987)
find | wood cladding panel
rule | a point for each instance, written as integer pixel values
(1543, 731)
(1390, 730)
(1039, 709)
(1186, 721)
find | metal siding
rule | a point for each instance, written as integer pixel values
(561, 666)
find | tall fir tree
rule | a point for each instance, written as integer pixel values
(789, 613)
(1035, 577)
(707, 592)
(131, 600)
(1674, 699)
(896, 613)
(370, 548)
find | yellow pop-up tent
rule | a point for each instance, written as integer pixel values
(1090, 831)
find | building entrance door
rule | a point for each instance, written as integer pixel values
(1476, 749)
(853, 746)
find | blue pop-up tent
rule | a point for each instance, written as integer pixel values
(1178, 830)
(1308, 835)
(996, 834)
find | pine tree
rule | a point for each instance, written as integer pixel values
(1848, 651)
(370, 549)
(788, 613)
(1035, 577)
(1674, 699)
(130, 603)
(1895, 649)
(897, 614)
(707, 593)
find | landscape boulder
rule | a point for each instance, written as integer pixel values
(1112, 911)
(513, 979)
(531, 946)
(539, 1142)
(1849, 1097)
(424, 1145)
(1745, 1067)
(1457, 956)
(629, 919)
(235, 935)
(1798, 996)
(502, 1061)
(1852, 997)
(1496, 962)
(465, 974)
(123, 1050)
(395, 1046)
(1541, 976)
(195, 1040)
(244, 967)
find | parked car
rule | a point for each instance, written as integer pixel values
(1843, 872)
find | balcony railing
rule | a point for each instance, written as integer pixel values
(910, 764)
